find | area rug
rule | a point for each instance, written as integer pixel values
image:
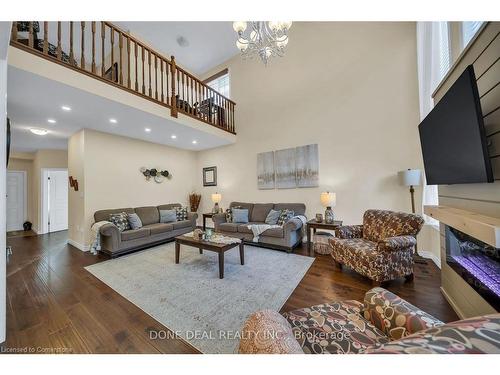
(191, 300)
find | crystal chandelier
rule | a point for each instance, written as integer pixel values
(263, 39)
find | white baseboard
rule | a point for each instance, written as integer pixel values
(431, 256)
(78, 245)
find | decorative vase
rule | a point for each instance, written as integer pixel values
(329, 216)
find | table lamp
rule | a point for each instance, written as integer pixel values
(328, 200)
(411, 178)
(216, 198)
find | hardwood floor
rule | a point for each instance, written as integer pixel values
(55, 306)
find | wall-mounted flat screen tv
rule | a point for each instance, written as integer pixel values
(453, 139)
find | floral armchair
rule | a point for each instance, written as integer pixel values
(380, 249)
(383, 323)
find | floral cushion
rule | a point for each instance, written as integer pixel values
(394, 316)
(285, 215)
(470, 336)
(336, 328)
(364, 257)
(120, 220)
(349, 231)
(381, 224)
(181, 213)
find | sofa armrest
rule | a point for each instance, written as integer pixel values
(267, 332)
(218, 219)
(349, 231)
(110, 230)
(469, 336)
(394, 316)
(398, 243)
(292, 225)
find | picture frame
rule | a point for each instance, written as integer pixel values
(210, 176)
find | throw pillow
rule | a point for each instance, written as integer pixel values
(120, 220)
(240, 215)
(181, 213)
(167, 216)
(134, 221)
(272, 217)
(229, 214)
(285, 215)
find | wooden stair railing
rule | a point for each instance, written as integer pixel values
(105, 52)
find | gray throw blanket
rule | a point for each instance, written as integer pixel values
(258, 229)
(95, 246)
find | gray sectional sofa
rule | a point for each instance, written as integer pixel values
(114, 242)
(285, 238)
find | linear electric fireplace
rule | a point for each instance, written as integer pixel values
(476, 262)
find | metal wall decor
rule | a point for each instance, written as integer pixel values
(157, 175)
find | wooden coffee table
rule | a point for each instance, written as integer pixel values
(219, 248)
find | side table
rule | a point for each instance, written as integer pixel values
(205, 216)
(312, 225)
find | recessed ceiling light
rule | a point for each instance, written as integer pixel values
(195, 142)
(66, 108)
(113, 120)
(173, 136)
(147, 130)
(51, 121)
(39, 131)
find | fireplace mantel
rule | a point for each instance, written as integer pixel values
(484, 228)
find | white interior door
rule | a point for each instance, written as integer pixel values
(57, 200)
(15, 200)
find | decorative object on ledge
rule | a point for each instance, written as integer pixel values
(328, 200)
(73, 182)
(411, 178)
(194, 201)
(263, 39)
(319, 218)
(210, 176)
(157, 175)
(216, 198)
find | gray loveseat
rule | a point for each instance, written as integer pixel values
(285, 238)
(114, 242)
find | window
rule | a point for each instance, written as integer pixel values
(442, 52)
(220, 82)
(469, 30)
(434, 61)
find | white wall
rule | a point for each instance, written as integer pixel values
(107, 169)
(4, 41)
(351, 88)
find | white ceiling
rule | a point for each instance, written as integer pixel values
(210, 43)
(32, 100)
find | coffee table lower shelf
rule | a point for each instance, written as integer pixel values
(210, 246)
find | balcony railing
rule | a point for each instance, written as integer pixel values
(105, 52)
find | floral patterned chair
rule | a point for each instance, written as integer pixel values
(384, 323)
(380, 249)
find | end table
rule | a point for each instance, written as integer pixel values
(205, 216)
(313, 225)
